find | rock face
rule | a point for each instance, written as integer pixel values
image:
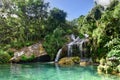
(35, 52)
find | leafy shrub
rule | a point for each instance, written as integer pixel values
(115, 53)
(19, 45)
(4, 57)
(113, 44)
(11, 53)
(53, 42)
(25, 58)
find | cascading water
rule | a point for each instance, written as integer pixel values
(58, 55)
(81, 48)
(75, 41)
(70, 49)
(73, 37)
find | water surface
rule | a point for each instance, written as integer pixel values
(45, 71)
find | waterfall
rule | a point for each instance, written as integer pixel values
(75, 41)
(73, 37)
(58, 55)
(70, 49)
(81, 48)
(79, 42)
(70, 45)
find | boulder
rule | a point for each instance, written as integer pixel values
(35, 52)
(68, 61)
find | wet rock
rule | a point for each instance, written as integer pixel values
(76, 60)
(84, 63)
(100, 69)
(31, 53)
(68, 61)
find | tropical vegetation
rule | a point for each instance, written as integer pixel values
(25, 22)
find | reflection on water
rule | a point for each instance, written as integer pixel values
(40, 71)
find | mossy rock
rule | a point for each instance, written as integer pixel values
(102, 61)
(76, 60)
(100, 69)
(67, 61)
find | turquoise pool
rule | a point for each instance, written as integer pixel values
(46, 71)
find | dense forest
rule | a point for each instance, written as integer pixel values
(25, 22)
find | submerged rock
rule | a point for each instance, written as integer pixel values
(84, 63)
(35, 52)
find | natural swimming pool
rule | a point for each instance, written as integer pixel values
(47, 71)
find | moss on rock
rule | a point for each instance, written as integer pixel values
(68, 61)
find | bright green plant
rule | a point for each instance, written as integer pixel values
(4, 57)
(26, 59)
(114, 53)
(53, 42)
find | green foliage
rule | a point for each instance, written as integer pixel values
(26, 59)
(32, 22)
(53, 42)
(4, 57)
(114, 53)
(55, 19)
(11, 53)
(24, 27)
(102, 61)
(113, 4)
(113, 44)
(95, 13)
(103, 28)
(117, 11)
(19, 45)
(118, 68)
